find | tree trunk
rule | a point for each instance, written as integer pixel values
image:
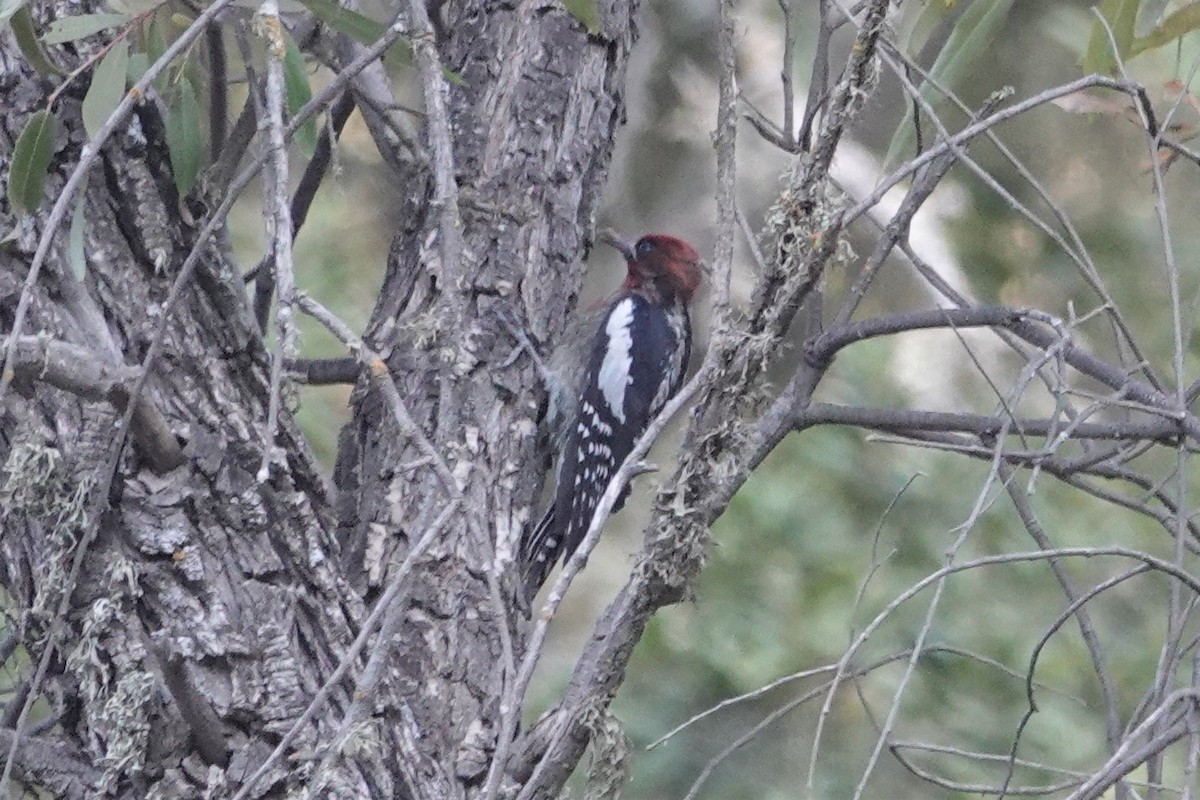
(210, 604)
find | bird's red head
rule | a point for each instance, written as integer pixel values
(661, 264)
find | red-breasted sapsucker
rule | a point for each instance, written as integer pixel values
(635, 363)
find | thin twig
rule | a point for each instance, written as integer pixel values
(906, 421)
(1013, 558)
(279, 226)
(1127, 758)
(1073, 608)
(981, 504)
(218, 95)
(441, 142)
(1076, 249)
(976, 128)
(818, 84)
(785, 73)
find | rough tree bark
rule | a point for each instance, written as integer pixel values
(211, 605)
(192, 612)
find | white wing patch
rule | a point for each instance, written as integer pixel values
(614, 370)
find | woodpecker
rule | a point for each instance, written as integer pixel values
(634, 365)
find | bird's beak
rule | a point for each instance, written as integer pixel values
(611, 237)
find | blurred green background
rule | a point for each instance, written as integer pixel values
(809, 552)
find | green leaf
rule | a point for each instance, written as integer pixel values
(68, 29)
(1150, 14)
(8, 8)
(972, 34)
(134, 7)
(586, 12)
(138, 64)
(366, 31)
(918, 23)
(400, 54)
(1121, 16)
(183, 137)
(969, 40)
(30, 160)
(1182, 21)
(155, 41)
(298, 92)
(75, 254)
(342, 20)
(27, 41)
(107, 88)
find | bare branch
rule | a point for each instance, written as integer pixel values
(445, 197)
(907, 421)
(52, 765)
(278, 214)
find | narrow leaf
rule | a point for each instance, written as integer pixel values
(107, 88)
(400, 54)
(298, 92)
(586, 13)
(1150, 14)
(918, 24)
(183, 138)
(367, 31)
(972, 34)
(155, 41)
(138, 64)
(76, 257)
(134, 7)
(1183, 21)
(30, 160)
(68, 29)
(27, 41)
(1121, 16)
(342, 20)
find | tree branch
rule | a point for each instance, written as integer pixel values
(278, 216)
(903, 421)
(445, 180)
(83, 373)
(52, 765)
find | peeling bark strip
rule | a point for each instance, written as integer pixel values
(212, 605)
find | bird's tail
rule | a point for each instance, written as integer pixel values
(539, 552)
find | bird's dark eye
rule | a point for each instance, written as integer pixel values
(644, 247)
